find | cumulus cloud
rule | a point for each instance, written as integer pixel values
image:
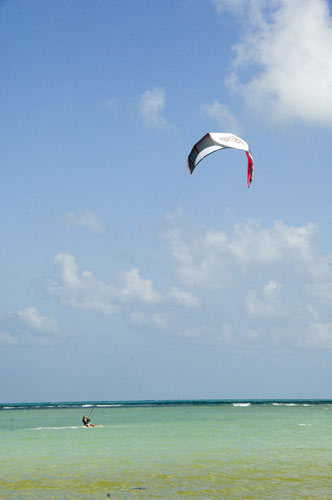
(269, 284)
(31, 317)
(251, 10)
(86, 219)
(283, 66)
(151, 105)
(7, 338)
(264, 303)
(262, 284)
(319, 335)
(28, 327)
(183, 297)
(223, 116)
(213, 258)
(84, 291)
(154, 320)
(235, 6)
(137, 288)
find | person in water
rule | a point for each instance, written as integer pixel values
(86, 421)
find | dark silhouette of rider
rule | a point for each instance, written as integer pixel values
(86, 421)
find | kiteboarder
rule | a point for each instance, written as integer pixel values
(86, 421)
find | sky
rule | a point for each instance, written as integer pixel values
(123, 277)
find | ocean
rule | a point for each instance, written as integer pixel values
(167, 450)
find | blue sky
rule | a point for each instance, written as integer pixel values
(122, 275)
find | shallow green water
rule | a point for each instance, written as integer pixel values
(168, 452)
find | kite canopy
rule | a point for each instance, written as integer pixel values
(213, 141)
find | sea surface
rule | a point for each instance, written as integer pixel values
(167, 450)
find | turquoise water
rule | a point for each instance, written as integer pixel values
(174, 451)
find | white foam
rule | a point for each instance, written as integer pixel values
(12, 407)
(63, 427)
(107, 406)
(57, 428)
(43, 406)
(284, 404)
(241, 404)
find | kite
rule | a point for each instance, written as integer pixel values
(213, 141)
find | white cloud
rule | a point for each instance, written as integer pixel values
(289, 49)
(214, 258)
(153, 320)
(28, 327)
(271, 281)
(235, 6)
(31, 317)
(265, 284)
(86, 219)
(251, 10)
(183, 297)
(7, 338)
(223, 116)
(264, 303)
(137, 288)
(82, 290)
(319, 335)
(151, 105)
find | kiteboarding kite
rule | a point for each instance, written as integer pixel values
(213, 141)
